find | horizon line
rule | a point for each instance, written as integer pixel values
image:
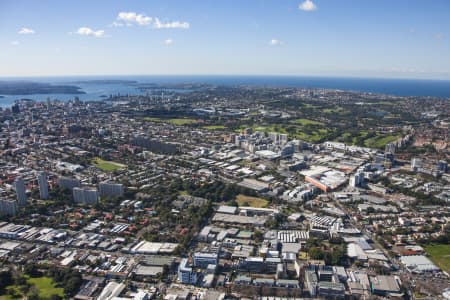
(225, 75)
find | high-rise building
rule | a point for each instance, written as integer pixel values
(390, 147)
(416, 163)
(15, 109)
(110, 190)
(442, 166)
(85, 196)
(357, 179)
(19, 185)
(274, 136)
(237, 140)
(43, 185)
(69, 183)
(287, 150)
(185, 273)
(283, 138)
(8, 207)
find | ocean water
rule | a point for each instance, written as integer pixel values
(95, 91)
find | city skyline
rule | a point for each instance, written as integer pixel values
(258, 149)
(404, 39)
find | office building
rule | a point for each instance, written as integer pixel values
(311, 282)
(202, 259)
(326, 273)
(253, 264)
(185, 273)
(287, 151)
(334, 290)
(19, 185)
(43, 185)
(357, 179)
(85, 196)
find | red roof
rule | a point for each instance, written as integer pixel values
(409, 252)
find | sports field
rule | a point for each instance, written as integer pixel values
(107, 166)
(174, 121)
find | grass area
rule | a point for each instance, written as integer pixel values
(308, 105)
(107, 166)
(351, 138)
(313, 131)
(184, 193)
(265, 128)
(214, 127)
(440, 255)
(305, 122)
(335, 110)
(151, 119)
(380, 141)
(313, 137)
(419, 295)
(45, 287)
(261, 128)
(385, 103)
(302, 255)
(251, 201)
(391, 116)
(173, 121)
(362, 138)
(180, 122)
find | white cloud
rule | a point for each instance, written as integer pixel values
(439, 36)
(89, 32)
(133, 18)
(307, 5)
(117, 24)
(168, 42)
(15, 43)
(175, 24)
(275, 42)
(26, 30)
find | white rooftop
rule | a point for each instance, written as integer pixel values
(418, 263)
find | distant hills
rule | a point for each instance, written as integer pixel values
(29, 88)
(105, 81)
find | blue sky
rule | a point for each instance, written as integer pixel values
(401, 38)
